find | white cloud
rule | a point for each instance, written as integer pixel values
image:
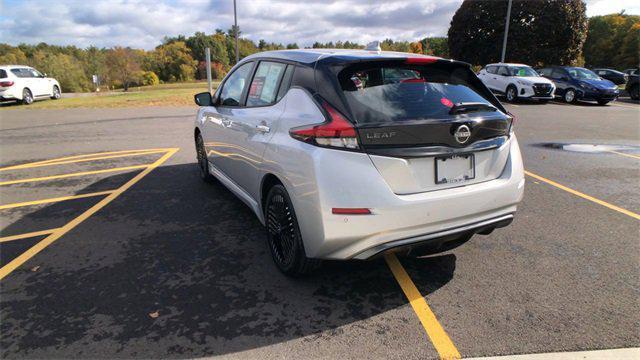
(143, 23)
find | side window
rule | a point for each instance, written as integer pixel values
(233, 87)
(557, 74)
(491, 69)
(21, 73)
(286, 82)
(503, 71)
(3, 74)
(265, 83)
(545, 72)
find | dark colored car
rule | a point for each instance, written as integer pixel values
(576, 83)
(614, 76)
(632, 85)
(631, 71)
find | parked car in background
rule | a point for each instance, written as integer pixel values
(516, 81)
(614, 76)
(26, 84)
(576, 83)
(632, 86)
(632, 71)
(348, 154)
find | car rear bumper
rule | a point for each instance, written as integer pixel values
(397, 220)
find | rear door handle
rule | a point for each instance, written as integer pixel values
(263, 128)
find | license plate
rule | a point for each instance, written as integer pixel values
(455, 169)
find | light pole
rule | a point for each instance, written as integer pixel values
(235, 27)
(506, 32)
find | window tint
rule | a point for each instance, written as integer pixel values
(491, 69)
(396, 93)
(233, 87)
(557, 74)
(264, 87)
(545, 72)
(3, 74)
(521, 71)
(21, 73)
(286, 82)
(503, 71)
(582, 74)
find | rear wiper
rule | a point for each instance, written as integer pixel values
(465, 107)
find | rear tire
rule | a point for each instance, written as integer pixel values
(511, 94)
(283, 235)
(27, 97)
(203, 163)
(569, 96)
(55, 94)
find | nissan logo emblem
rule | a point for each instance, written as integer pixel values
(462, 134)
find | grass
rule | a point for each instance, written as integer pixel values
(175, 94)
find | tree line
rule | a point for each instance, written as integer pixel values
(542, 32)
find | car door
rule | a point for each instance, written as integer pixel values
(561, 79)
(220, 130)
(255, 123)
(488, 77)
(502, 79)
(40, 83)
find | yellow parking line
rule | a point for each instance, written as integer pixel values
(15, 263)
(439, 338)
(63, 176)
(585, 196)
(27, 235)
(623, 154)
(83, 158)
(52, 200)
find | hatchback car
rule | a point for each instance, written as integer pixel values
(576, 83)
(26, 84)
(348, 154)
(615, 76)
(517, 81)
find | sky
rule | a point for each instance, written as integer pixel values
(144, 23)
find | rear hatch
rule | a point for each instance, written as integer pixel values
(426, 123)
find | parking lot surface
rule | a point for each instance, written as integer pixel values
(128, 254)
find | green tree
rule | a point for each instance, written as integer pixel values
(64, 68)
(612, 41)
(541, 32)
(171, 62)
(12, 55)
(123, 66)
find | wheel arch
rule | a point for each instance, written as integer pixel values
(268, 181)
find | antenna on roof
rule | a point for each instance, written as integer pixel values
(373, 46)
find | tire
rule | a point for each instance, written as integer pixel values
(511, 94)
(569, 96)
(283, 235)
(27, 97)
(203, 163)
(634, 92)
(56, 95)
(603, 102)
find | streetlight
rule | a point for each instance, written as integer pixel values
(506, 31)
(235, 27)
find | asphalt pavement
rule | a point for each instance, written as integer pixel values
(135, 257)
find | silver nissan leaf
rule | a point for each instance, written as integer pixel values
(348, 154)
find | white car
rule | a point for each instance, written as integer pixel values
(517, 81)
(26, 84)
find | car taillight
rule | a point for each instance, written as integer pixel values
(6, 83)
(336, 131)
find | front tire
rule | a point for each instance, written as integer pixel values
(27, 97)
(283, 235)
(603, 102)
(569, 96)
(203, 163)
(55, 94)
(512, 94)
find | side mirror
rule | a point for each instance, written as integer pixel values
(203, 99)
(44, 75)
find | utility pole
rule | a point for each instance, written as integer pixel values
(207, 54)
(506, 31)
(235, 27)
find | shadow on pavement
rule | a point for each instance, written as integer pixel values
(178, 268)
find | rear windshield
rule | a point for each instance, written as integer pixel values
(3, 74)
(390, 93)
